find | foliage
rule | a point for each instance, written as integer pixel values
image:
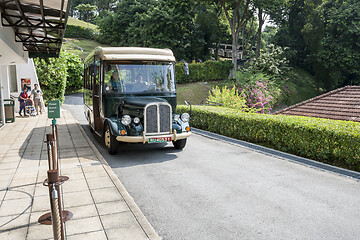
(101, 6)
(187, 28)
(57, 74)
(329, 141)
(75, 71)
(266, 80)
(261, 95)
(203, 72)
(73, 31)
(271, 62)
(322, 38)
(52, 74)
(87, 12)
(229, 98)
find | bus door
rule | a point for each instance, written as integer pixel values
(97, 99)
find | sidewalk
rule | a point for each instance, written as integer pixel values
(101, 206)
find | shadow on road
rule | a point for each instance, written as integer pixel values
(133, 154)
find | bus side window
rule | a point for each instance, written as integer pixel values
(97, 82)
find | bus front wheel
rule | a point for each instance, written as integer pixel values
(110, 141)
(179, 144)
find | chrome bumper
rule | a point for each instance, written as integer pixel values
(145, 139)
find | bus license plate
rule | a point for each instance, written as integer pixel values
(159, 139)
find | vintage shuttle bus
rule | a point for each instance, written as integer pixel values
(130, 96)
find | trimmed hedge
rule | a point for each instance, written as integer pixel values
(52, 73)
(333, 142)
(202, 72)
(73, 31)
(75, 71)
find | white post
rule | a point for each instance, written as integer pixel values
(2, 100)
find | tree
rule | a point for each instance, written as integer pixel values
(340, 50)
(237, 13)
(322, 38)
(265, 9)
(151, 23)
(86, 11)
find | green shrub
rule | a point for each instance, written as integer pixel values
(203, 72)
(329, 141)
(75, 71)
(73, 31)
(229, 97)
(52, 73)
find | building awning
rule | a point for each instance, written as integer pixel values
(38, 24)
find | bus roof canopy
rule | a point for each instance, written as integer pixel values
(133, 53)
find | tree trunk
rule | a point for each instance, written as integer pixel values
(261, 23)
(217, 51)
(234, 57)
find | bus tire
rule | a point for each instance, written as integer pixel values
(179, 144)
(110, 141)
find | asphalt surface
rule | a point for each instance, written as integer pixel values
(216, 190)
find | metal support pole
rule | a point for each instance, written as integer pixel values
(55, 134)
(55, 203)
(49, 140)
(56, 150)
(56, 217)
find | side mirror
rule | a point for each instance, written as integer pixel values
(93, 69)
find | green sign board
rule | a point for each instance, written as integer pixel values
(53, 109)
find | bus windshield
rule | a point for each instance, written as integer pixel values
(139, 77)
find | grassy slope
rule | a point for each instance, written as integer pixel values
(85, 44)
(195, 92)
(305, 85)
(76, 22)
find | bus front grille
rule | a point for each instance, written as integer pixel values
(158, 118)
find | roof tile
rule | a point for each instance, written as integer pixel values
(340, 104)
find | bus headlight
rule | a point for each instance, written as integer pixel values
(126, 120)
(136, 120)
(185, 117)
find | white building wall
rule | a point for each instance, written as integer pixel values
(11, 52)
(26, 71)
(5, 83)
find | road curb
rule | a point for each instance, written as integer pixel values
(143, 222)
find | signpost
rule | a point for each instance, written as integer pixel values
(53, 109)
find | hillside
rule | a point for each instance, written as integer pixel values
(81, 47)
(192, 92)
(77, 22)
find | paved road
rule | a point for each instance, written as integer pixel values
(215, 190)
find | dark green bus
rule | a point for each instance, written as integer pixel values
(130, 96)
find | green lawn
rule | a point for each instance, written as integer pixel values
(198, 91)
(194, 92)
(76, 22)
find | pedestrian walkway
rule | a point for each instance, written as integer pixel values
(101, 207)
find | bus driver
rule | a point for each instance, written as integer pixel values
(140, 85)
(114, 83)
